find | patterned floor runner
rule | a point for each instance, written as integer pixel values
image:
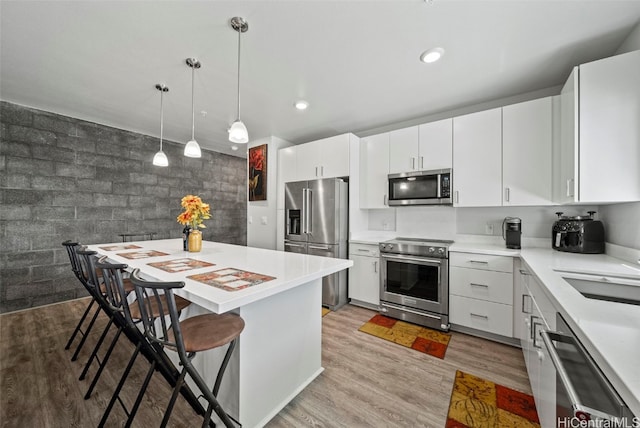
(476, 402)
(413, 336)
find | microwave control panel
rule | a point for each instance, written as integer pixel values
(445, 186)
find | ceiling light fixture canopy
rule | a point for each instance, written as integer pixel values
(238, 131)
(160, 158)
(192, 149)
(432, 55)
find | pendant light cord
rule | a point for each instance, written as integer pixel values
(239, 34)
(193, 111)
(161, 115)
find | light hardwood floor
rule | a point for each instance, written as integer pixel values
(367, 381)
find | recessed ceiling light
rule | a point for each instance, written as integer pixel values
(234, 148)
(301, 105)
(432, 55)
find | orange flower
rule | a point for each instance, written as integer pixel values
(195, 212)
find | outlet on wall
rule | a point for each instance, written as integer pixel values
(488, 229)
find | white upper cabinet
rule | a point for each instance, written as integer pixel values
(403, 150)
(477, 159)
(307, 161)
(374, 168)
(324, 158)
(527, 141)
(436, 145)
(421, 148)
(600, 144)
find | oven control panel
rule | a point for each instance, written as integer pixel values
(416, 247)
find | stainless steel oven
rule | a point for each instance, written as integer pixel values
(414, 281)
(582, 391)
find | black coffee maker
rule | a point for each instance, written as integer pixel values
(511, 232)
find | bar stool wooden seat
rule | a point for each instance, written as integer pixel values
(187, 337)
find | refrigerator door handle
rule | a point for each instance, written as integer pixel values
(319, 247)
(308, 210)
(304, 210)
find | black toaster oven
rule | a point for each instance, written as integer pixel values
(578, 234)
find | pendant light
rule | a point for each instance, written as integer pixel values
(192, 149)
(160, 159)
(238, 132)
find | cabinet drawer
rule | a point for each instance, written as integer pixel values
(481, 315)
(481, 261)
(481, 284)
(369, 250)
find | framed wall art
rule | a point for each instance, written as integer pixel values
(258, 173)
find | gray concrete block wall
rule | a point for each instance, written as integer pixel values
(63, 178)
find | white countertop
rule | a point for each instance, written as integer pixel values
(609, 331)
(289, 269)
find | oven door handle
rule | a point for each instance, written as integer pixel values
(578, 408)
(412, 259)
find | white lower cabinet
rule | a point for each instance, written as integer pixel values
(364, 275)
(481, 292)
(482, 315)
(538, 314)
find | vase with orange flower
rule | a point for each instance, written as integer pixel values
(195, 212)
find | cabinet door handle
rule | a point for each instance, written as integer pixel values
(316, 171)
(364, 250)
(525, 311)
(384, 202)
(486, 317)
(569, 187)
(535, 331)
(532, 323)
(524, 272)
(421, 162)
(457, 197)
(482, 262)
(413, 163)
(321, 170)
(506, 194)
(473, 284)
(375, 266)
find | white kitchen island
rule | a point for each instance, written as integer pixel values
(279, 351)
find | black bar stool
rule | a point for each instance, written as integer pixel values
(117, 296)
(146, 236)
(195, 334)
(72, 250)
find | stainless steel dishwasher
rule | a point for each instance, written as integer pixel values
(582, 391)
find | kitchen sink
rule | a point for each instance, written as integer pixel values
(609, 288)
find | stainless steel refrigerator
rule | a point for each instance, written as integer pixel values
(316, 223)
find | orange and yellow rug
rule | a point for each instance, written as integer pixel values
(413, 336)
(325, 311)
(476, 402)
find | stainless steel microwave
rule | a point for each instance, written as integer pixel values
(420, 188)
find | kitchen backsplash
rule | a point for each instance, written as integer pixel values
(445, 222)
(622, 224)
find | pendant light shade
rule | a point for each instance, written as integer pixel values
(238, 131)
(192, 149)
(160, 158)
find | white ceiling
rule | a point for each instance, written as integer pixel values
(355, 62)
